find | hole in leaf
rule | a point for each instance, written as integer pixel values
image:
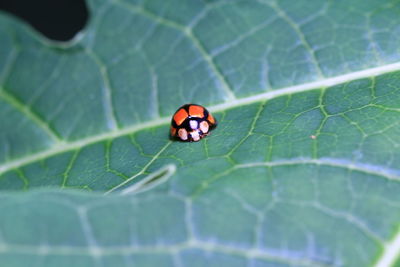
(58, 20)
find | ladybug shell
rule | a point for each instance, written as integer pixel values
(191, 122)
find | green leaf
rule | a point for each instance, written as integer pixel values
(302, 170)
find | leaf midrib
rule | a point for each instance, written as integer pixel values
(62, 147)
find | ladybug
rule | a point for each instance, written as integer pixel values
(191, 122)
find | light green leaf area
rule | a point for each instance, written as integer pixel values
(302, 169)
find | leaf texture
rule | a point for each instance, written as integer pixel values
(302, 170)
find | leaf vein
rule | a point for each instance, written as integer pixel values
(192, 37)
(299, 33)
(64, 147)
(143, 169)
(31, 115)
(376, 170)
(107, 95)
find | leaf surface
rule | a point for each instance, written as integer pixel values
(302, 169)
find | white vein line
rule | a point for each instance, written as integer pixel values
(299, 33)
(383, 171)
(210, 62)
(30, 115)
(50, 78)
(155, 105)
(160, 249)
(64, 147)
(192, 37)
(221, 49)
(106, 91)
(255, 253)
(9, 65)
(391, 252)
(189, 219)
(351, 219)
(94, 250)
(367, 73)
(143, 169)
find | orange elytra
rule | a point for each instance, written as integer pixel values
(191, 123)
